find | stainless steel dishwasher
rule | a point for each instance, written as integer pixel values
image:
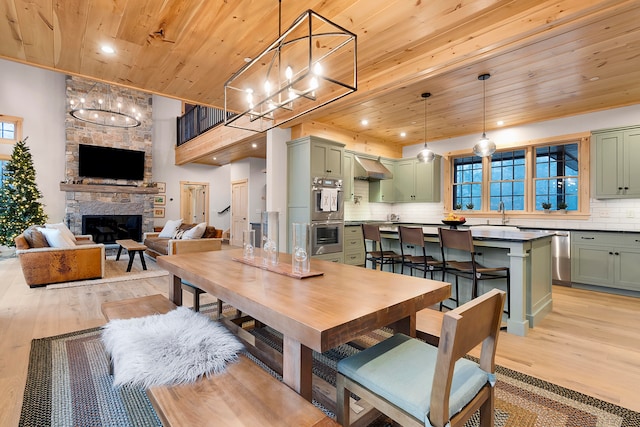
(561, 258)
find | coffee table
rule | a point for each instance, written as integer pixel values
(132, 247)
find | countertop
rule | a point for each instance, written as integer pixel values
(481, 234)
(521, 227)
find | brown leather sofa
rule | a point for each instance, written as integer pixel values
(211, 240)
(42, 265)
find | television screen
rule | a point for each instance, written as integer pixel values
(107, 162)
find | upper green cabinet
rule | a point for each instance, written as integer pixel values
(616, 153)
(384, 189)
(326, 158)
(416, 181)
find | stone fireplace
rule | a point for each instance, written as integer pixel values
(107, 197)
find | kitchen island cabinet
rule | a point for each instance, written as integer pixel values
(528, 256)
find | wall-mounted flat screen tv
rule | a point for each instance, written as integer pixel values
(107, 162)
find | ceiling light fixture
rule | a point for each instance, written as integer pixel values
(107, 49)
(311, 64)
(426, 155)
(95, 111)
(485, 147)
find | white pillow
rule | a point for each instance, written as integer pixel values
(63, 229)
(195, 232)
(56, 238)
(170, 228)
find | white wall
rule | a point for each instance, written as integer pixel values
(38, 96)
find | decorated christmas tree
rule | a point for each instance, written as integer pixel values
(19, 195)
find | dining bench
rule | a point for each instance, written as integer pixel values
(244, 394)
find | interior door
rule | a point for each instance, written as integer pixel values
(239, 210)
(194, 202)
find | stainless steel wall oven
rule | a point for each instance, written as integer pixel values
(326, 237)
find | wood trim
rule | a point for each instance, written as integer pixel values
(93, 188)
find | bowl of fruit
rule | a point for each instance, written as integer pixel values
(453, 220)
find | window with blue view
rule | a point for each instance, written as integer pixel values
(556, 176)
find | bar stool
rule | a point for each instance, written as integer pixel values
(463, 240)
(415, 237)
(372, 233)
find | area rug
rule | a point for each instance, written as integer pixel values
(116, 271)
(68, 385)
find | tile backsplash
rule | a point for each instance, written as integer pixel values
(611, 214)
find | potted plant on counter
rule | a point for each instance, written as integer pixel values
(546, 206)
(562, 207)
(470, 206)
(457, 206)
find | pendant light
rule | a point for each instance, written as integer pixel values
(484, 147)
(426, 155)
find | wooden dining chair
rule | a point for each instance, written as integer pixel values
(417, 384)
(414, 236)
(470, 269)
(373, 249)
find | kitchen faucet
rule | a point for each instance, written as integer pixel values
(501, 209)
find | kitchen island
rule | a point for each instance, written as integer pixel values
(526, 253)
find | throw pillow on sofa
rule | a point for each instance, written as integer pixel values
(63, 229)
(169, 229)
(35, 238)
(56, 239)
(195, 232)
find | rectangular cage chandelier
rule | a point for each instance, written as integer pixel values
(313, 63)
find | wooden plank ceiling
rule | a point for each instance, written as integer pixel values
(548, 59)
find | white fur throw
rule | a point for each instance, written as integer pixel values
(164, 349)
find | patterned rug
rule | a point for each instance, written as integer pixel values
(68, 384)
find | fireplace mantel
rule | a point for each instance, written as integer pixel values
(97, 188)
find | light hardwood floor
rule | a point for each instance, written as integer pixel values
(589, 343)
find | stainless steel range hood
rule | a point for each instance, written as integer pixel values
(370, 169)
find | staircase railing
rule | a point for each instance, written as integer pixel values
(197, 121)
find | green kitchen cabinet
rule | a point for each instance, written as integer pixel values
(416, 181)
(353, 245)
(327, 158)
(347, 177)
(606, 259)
(383, 190)
(616, 153)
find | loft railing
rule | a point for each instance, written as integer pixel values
(197, 121)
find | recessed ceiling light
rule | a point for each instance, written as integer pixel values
(500, 123)
(365, 122)
(107, 49)
(594, 78)
(215, 158)
(254, 145)
(247, 59)
(403, 134)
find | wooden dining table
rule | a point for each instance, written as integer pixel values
(314, 313)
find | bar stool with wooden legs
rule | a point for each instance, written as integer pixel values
(462, 240)
(376, 255)
(413, 236)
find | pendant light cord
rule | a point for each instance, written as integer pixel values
(425, 123)
(484, 107)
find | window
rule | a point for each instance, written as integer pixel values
(507, 182)
(467, 182)
(556, 176)
(522, 178)
(10, 129)
(3, 163)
